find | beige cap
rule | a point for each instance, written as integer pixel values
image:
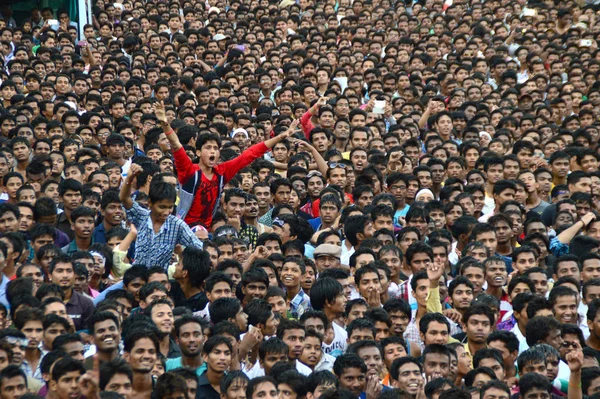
(328, 250)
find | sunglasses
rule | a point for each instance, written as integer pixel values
(334, 165)
(23, 342)
(313, 173)
(278, 222)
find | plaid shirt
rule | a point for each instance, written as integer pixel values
(300, 304)
(412, 333)
(156, 249)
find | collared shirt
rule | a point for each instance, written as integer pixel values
(300, 304)
(176, 363)
(37, 373)
(155, 249)
(523, 346)
(80, 309)
(267, 218)
(250, 233)
(174, 350)
(99, 234)
(326, 363)
(63, 224)
(204, 313)
(72, 247)
(205, 390)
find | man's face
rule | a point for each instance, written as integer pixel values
(121, 384)
(353, 380)
(436, 365)
(478, 327)
(33, 331)
(9, 223)
(142, 356)
(255, 290)
(13, 388)
(219, 358)
(495, 274)
(294, 339)
(53, 331)
(75, 350)
(437, 333)
(191, 339)
(67, 386)
(359, 334)
(590, 269)
(494, 365)
(525, 261)
(476, 276)
(565, 309)
(272, 358)
(83, 227)
(162, 316)
(409, 378)
(106, 336)
(372, 358)
(63, 275)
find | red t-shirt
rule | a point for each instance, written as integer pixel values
(205, 197)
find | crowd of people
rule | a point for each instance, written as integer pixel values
(278, 199)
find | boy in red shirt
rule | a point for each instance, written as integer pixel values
(202, 184)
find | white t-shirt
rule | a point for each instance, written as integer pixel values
(338, 346)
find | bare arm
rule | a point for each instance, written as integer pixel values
(575, 362)
(161, 115)
(321, 163)
(129, 239)
(566, 236)
(125, 194)
(271, 142)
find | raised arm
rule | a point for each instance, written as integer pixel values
(125, 194)
(321, 163)
(161, 115)
(271, 142)
(566, 236)
(575, 361)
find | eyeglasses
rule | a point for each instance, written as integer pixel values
(23, 342)
(334, 165)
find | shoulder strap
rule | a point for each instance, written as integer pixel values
(221, 186)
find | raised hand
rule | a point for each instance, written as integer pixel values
(160, 112)
(575, 360)
(374, 388)
(135, 170)
(374, 299)
(88, 383)
(587, 218)
(434, 272)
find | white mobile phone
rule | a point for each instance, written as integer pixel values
(379, 107)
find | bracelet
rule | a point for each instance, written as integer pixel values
(575, 386)
(170, 132)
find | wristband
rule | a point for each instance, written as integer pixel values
(170, 132)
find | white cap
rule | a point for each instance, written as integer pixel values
(238, 131)
(220, 36)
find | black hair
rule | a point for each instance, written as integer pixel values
(109, 369)
(346, 361)
(324, 290)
